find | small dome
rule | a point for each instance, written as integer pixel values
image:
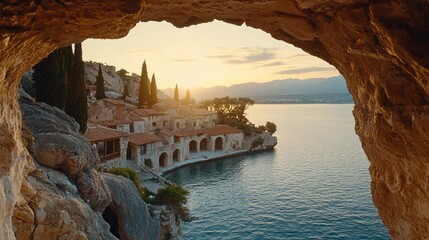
(161, 107)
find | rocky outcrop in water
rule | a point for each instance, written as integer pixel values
(380, 47)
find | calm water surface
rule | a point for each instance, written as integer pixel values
(314, 185)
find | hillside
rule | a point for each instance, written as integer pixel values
(317, 90)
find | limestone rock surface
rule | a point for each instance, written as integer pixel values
(380, 47)
(112, 81)
(56, 143)
(134, 219)
(51, 208)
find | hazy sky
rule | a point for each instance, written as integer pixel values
(206, 55)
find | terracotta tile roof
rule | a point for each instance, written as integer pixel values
(122, 119)
(190, 111)
(139, 139)
(215, 131)
(114, 102)
(140, 112)
(98, 134)
(202, 112)
(133, 116)
(222, 129)
(114, 122)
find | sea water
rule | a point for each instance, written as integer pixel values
(314, 185)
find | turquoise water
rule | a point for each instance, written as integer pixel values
(314, 185)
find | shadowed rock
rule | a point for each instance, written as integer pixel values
(133, 218)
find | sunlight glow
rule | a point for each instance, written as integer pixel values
(206, 55)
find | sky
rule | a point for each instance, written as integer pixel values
(206, 55)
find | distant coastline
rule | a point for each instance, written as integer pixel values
(335, 98)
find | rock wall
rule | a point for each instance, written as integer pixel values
(134, 220)
(65, 197)
(380, 47)
(112, 81)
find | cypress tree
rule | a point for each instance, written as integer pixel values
(50, 78)
(153, 92)
(99, 93)
(144, 86)
(188, 97)
(77, 103)
(123, 74)
(176, 94)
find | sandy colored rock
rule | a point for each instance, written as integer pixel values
(54, 142)
(53, 209)
(380, 47)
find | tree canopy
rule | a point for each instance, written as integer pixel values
(50, 76)
(99, 93)
(153, 92)
(229, 108)
(271, 127)
(144, 86)
(176, 94)
(187, 99)
(77, 102)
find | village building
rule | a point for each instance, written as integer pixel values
(143, 149)
(158, 137)
(110, 144)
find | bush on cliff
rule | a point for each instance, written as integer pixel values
(271, 127)
(176, 197)
(133, 176)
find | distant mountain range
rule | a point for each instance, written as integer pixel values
(314, 90)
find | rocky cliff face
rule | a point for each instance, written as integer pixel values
(63, 196)
(380, 47)
(130, 210)
(112, 81)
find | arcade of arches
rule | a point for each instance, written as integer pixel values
(380, 47)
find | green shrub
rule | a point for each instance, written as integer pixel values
(176, 197)
(271, 127)
(133, 176)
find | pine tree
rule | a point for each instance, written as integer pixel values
(99, 93)
(176, 94)
(50, 78)
(77, 104)
(153, 92)
(188, 97)
(144, 86)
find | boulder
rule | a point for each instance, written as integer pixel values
(133, 219)
(56, 143)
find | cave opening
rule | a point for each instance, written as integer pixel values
(358, 36)
(112, 219)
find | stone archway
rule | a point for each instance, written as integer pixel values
(380, 47)
(193, 146)
(219, 143)
(163, 159)
(203, 144)
(176, 155)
